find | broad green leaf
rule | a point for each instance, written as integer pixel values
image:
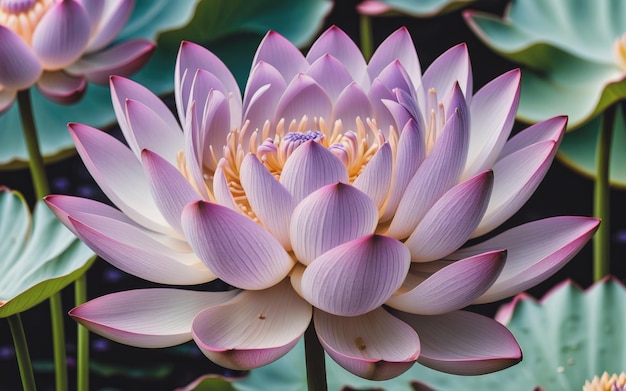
(39, 256)
(422, 8)
(209, 383)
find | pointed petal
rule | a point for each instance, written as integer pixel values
(236, 248)
(550, 129)
(221, 191)
(356, 277)
(351, 104)
(282, 54)
(254, 329)
(263, 91)
(463, 343)
(269, 200)
(330, 74)
(377, 95)
(303, 97)
(394, 76)
(451, 67)
(19, 66)
(310, 167)
(451, 220)
(113, 17)
(147, 318)
(375, 180)
(61, 35)
(398, 45)
(60, 87)
(536, 250)
(452, 287)
(328, 217)
(375, 346)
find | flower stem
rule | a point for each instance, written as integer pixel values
(40, 183)
(366, 35)
(21, 351)
(315, 364)
(82, 366)
(601, 202)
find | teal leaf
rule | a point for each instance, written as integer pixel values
(423, 8)
(232, 28)
(39, 256)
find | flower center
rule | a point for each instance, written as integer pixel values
(606, 383)
(22, 16)
(619, 51)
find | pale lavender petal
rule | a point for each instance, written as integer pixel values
(356, 277)
(375, 180)
(330, 74)
(310, 167)
(454, 286)
(60, 87)
(94, 11)
(516, 177)
(269, 200)
(113, 17)
(61, 35)
(536, 250)
(328, 217)
(400, 116)
(147, 318)
(253, 329)
(375, 346)
(281, 54)
(451, 67)
(451, 220)
(398, 45)
(377, 94)
(463, 343)
(263, 91)
(492, 110)
(210, 124)
(236, 248)
(303, 97)
(436, 175)
(352, 103)
(194, 152)
(550, 129)
(123, 59)
(221, 191)
(395, 76)
(339, 45)
(19, 66)
(7, 97)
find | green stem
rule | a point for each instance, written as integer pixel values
(601, 202)
(21, 351)
(82, 366)
(40, 183)
(366, 35)
(315, 364)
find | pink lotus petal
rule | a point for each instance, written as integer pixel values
(303, 97)
(261, 75)
(452, 287)
(192, 57)
(195, 152)
(377, 94)
(310, 167)
(113, 18)
(147, 318)
(236, 248)
(60, 87)
(171, 191)
(550, 129)
(375, 180)
(281, 54)
(328, 217)
(330, 74)
(351, 104)
(493, 111)
(399, 113)
(517, 176)
(61, 35)
(463, 343)
(372, 7)
(451, 220)
(536, 250)
(356, 277)
(375, 346)
(436, 175)
(269, 200)
(94, 10)
(394, 76)
(410, 153)
(7, 97)
(263, 91)
(254, 329)
(132, 250)
(338, 44)
(19, 66)
(202, 85)
(119, 174)
(122, 59)
(221, 191)
(397, 46)
(451, 67)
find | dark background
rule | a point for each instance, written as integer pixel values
(119, 367)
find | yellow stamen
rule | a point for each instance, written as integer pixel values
(606, 383)
(23, 16)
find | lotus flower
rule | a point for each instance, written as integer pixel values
(335, 191)
(59, 45)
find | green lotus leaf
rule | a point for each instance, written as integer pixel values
(567, 337)
(567, 47)
(233, 28)
(419, 9)
(39, 256)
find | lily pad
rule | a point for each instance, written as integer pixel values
(419, 9)
(232, 28)
(567, 47)
(39, 256)
(567, 337)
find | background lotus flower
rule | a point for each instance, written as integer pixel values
(234, 24)
(423, 8)
(573, 58)
(331, 188)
